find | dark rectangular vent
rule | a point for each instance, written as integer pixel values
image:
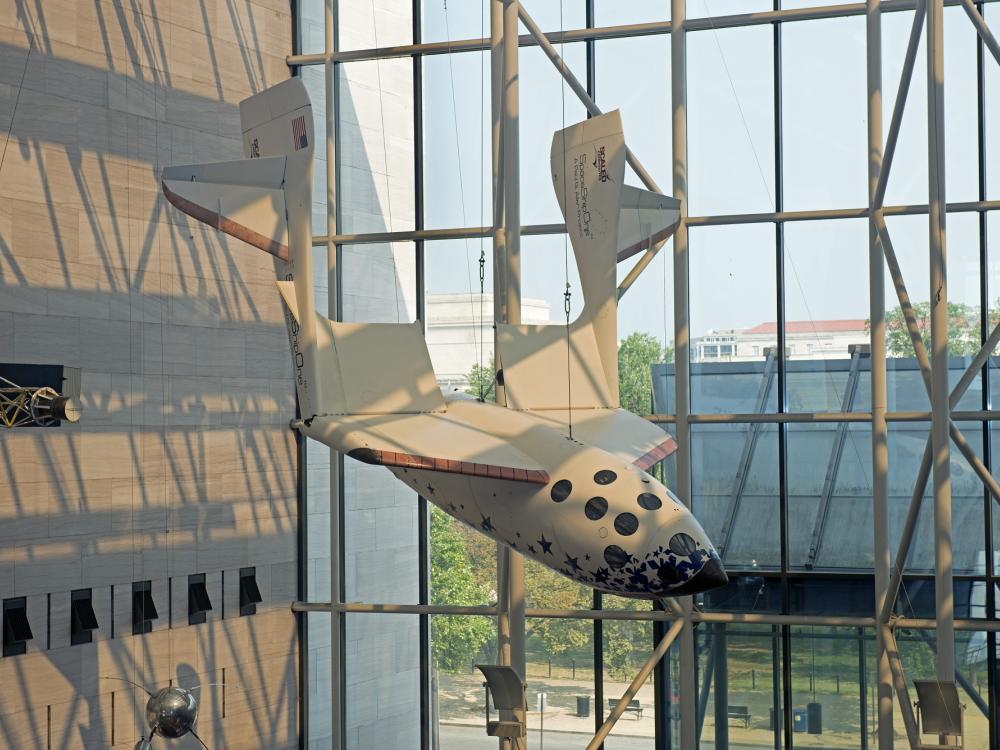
(249, 592)
(143, 607)
(199, 602)
(83, 621)
(16, 630)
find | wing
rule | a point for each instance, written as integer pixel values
(243, 199)
(619, 432)
(429, 442)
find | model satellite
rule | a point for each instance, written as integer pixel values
(584, 505)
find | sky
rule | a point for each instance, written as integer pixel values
(731, 157)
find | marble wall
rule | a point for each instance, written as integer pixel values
(183, 462)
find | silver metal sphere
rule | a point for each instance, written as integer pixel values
(171, 712)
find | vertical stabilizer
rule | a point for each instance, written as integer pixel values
(279, 122)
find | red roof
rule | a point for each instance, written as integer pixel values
(855, 325)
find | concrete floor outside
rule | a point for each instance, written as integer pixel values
(461, 711)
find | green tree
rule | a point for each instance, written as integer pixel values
(963, 329)
(457, 640)
(635, 381)
(482, 381)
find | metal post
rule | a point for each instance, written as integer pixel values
(678, 89)
(940, 422)
(333, 311)
(879, 386)
(512, 274)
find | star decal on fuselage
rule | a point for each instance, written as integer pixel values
(573, 562)
(545, 544)
(487, 524)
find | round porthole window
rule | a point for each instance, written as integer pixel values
(615, 556)
(561, 490)
(682, 545)
(649, 501)
(626, 524)
(596, 508)
(605, 476)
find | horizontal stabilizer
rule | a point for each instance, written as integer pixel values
(243, 199)
(538, 375)
(429, 442)
(645, 219)
(377, 368)
(619, 432)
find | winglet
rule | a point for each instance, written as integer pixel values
(287, 291)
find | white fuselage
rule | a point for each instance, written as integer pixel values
(600, 520)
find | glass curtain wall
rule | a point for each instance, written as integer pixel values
(779, 327)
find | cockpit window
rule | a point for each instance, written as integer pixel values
(596, 508)
(682, 544)
(626, 524)
(605, 476)
(615, 556)
(649, 501)
(561, 490)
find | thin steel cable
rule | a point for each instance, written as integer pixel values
(568, 294)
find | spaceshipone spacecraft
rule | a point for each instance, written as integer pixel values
(581, 502)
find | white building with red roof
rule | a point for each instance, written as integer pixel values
(804, 339)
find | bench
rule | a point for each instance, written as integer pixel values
(633, 707)
(740, 714)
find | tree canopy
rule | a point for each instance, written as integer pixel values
(635, 381)
(963, 329)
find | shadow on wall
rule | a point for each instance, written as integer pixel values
(179, 333)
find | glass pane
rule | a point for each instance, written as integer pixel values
(382, 680)
(739, 678)
(457, 144)
(829, 495)
(442, 21)
(560, 665)
(823, 102)
(546, 105)
(645, 109)
(826, 315)
(458, 321)
(828, 671)
(374, 23)
(731, 120)
(733, 318)
(908, 181)
(627, 645)
(612, 12)
(376, 148)
(906, 447)
(734, 470)
(319, 688)
(458, 698)
(318, 521)
(716, 8)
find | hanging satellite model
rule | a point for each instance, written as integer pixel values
(580, 502)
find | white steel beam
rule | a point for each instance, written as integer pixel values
(984, 30)
(879, 385)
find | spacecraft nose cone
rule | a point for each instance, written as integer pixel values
(711, 576)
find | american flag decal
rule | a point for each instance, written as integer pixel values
(299, 139)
